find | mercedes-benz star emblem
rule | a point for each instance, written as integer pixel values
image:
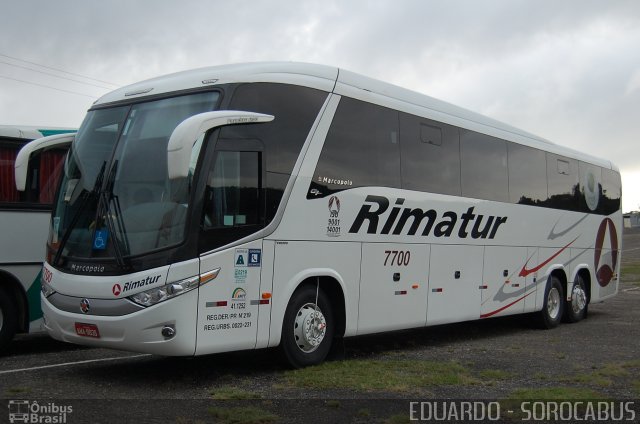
(85, 306)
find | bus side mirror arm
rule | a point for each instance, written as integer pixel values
(188, 131)
(22, 159)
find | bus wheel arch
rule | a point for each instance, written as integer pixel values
(13, 288)
(11, 313)
(308, 328)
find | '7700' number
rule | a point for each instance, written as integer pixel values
(397, 257)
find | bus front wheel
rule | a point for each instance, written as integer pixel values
(8, 319)
(308, 327)
(553, 307)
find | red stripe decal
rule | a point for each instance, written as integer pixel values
(524, 271)
(489, 314)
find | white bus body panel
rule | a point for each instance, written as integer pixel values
(297, 261)
(456, 276)
(393, 286)
(27, 231)
(503, 289)
(229, 306)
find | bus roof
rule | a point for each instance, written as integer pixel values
(31, 132)
(342, 82)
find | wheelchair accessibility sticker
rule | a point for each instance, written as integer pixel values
(100, 239)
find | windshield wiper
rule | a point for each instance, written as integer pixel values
(78, 213)
(107, 197)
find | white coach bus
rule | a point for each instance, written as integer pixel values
(260, 205)
(24, 223)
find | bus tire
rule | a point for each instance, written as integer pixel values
(576, 307)
(307, 328)
(8, 319)
(553, 306)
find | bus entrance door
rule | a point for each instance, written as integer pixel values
(228, 306)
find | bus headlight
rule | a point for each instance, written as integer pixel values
(168, 291)
(46, 289)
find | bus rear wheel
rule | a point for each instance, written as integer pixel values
(308, 327)
(553, 307)
(576, 307)
(8, 319)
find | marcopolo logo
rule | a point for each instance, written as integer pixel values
(24, 411)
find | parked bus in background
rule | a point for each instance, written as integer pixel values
(24, 222)
(259, 205)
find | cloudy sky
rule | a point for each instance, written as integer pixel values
(566, 70)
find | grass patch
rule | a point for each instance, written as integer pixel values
(12, 391)
(635, 363)
(248, 415)
(377, 375)
(636, 387)
(228, 392)
(605, 376)
(630, 273)
(398, 419)
(495, 374)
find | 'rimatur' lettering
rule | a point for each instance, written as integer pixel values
(373, 211)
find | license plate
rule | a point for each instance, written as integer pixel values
(87, 330)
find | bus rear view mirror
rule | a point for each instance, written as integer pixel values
(188, 131)
(22, 159)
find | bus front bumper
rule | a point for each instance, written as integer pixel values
(140, 331)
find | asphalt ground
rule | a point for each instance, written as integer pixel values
(503, 356)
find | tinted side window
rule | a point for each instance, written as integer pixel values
(527, 175)
(8, 192)
(233, 191)
(611, 192)
(295, 109)
(484, 166)
(430, 153)
(590, 187)
(563, 185)
(44, 172)
(361, 149)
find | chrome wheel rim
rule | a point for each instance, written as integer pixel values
(553, 303)
(309, 328)
(578, 299)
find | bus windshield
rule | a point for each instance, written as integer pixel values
(116, 199)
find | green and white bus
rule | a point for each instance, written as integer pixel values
(24, 222)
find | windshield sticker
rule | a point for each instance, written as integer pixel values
(56, 229)
(100, 239)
